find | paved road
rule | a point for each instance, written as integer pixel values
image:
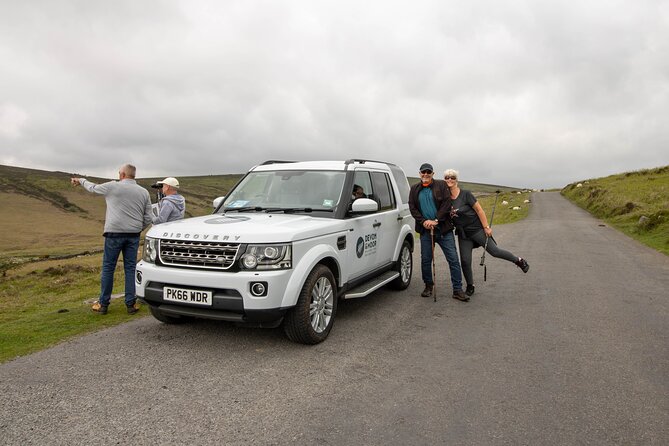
(574, 352)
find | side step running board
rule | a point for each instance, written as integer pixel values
(373, 285)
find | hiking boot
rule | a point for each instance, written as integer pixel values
(132, 309)
(460, 295)
(470, 290)
(99, 309)
(427, 292)
(522, 264)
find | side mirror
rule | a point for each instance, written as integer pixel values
(364, 205)
(218, 201)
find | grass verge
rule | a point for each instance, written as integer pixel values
(44, 306)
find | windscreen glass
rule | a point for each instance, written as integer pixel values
(287, 190)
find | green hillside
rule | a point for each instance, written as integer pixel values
(45, 217)
(636, 203)
(55, 189)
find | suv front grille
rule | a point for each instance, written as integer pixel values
(197, 254)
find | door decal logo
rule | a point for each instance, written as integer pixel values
(360, 247)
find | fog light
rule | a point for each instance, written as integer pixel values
(138, 277)
(259, 289)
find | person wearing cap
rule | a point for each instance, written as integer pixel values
(430, 204)
(173, 205)
(128, 213)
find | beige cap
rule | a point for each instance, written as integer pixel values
(170, 181)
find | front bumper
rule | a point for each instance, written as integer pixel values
(232, 299)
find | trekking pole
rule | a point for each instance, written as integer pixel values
(434, 268)
(485, 246)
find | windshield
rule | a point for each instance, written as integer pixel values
(287, 190)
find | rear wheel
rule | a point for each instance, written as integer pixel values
(162, 317)
(404, 267)
(310, 321)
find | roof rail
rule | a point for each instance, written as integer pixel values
(363, 161)
(276, 162)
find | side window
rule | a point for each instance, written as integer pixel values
(383, 193)
(362, 184)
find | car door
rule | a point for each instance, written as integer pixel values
(363, 235)
(387, 219)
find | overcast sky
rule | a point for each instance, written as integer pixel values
(526, 93)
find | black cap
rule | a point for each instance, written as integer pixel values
(426, 166)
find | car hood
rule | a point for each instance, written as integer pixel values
(246, 228)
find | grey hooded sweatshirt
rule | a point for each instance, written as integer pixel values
(172, 207)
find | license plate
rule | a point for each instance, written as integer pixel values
(183, 295)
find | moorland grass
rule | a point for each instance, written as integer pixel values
(504, 213)
(636, 203)
(33, 227)
(40, 307)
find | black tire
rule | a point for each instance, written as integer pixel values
(165, 319)
(305, 326)
(404, 267)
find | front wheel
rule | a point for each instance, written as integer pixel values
(311, 319)
(404, 267)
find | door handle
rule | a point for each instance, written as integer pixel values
(377, 224)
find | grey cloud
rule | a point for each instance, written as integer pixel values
(521, 93)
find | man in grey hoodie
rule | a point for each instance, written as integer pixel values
(173, 205)
(128, 212)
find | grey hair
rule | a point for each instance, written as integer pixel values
(129, 170)
(452, 173)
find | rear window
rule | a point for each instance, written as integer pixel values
(402, 183)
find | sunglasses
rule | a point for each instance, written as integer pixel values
(447, 177)
(426, 172)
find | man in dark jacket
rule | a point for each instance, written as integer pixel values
(430, 204)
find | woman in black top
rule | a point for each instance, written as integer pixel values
(471, 225)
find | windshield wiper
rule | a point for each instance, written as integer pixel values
(245, 209)
(293, 210)
(288, 210)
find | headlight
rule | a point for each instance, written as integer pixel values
(249, 261)
(150, 252)
(267, 257)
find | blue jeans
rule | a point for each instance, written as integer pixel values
(113, 247)
(447, 243)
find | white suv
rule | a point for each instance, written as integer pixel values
(283, 246)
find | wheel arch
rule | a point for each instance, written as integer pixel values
(322, 254)
(333, 265)
(405, 235)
